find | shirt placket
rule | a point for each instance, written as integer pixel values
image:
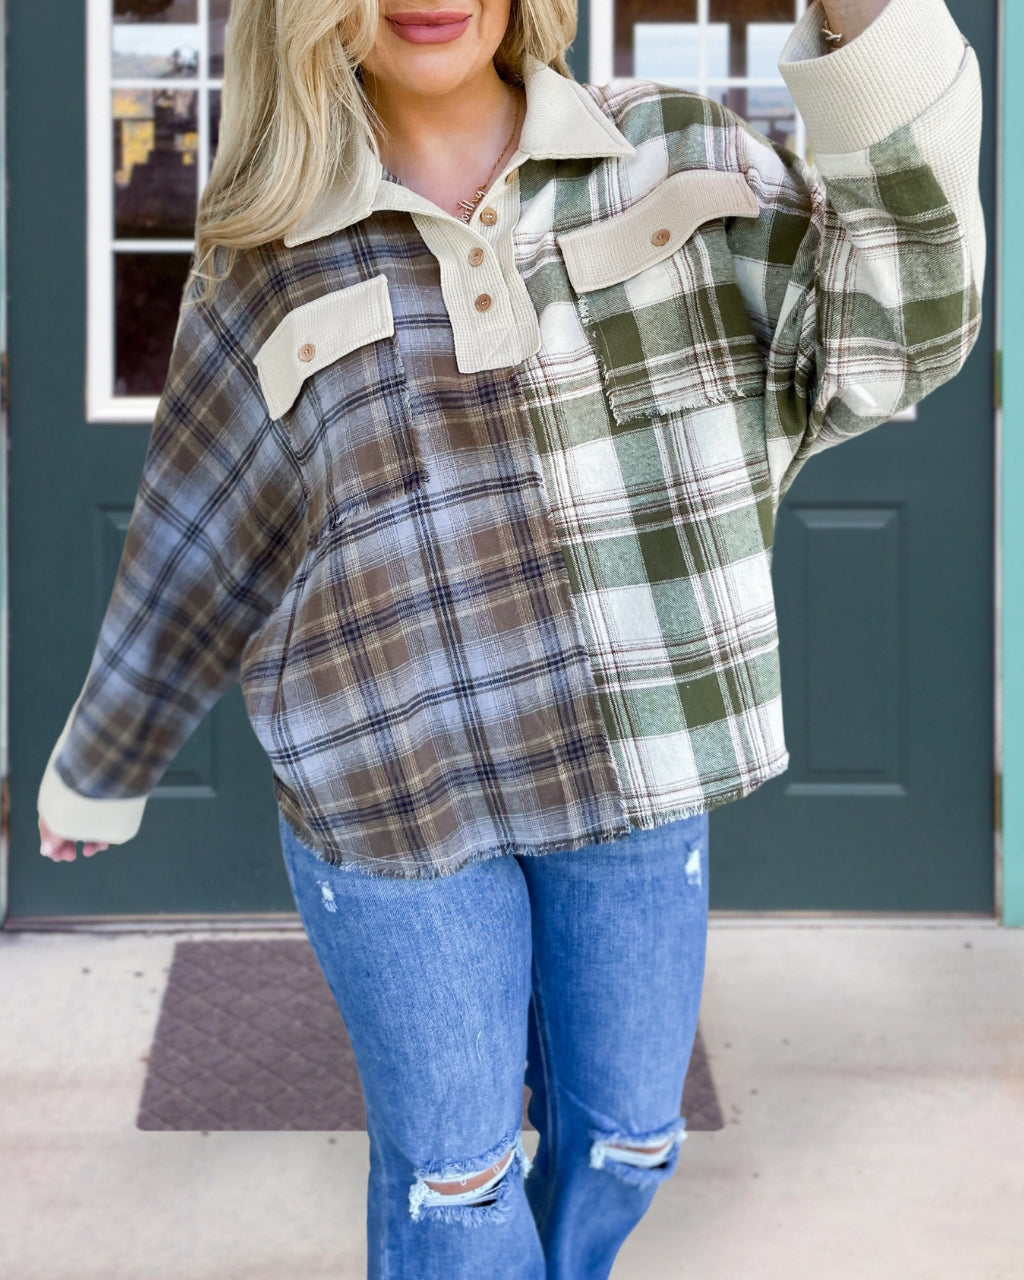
(493, 320)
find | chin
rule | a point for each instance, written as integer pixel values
(430, 75)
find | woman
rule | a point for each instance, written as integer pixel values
(483, 398)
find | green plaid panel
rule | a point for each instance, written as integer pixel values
(671, 411)
(676, 334)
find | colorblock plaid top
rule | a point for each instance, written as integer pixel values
(480, 515)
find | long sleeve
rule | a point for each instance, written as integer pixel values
(868, 280)
(216, 531)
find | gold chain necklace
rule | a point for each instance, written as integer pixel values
(467, 206)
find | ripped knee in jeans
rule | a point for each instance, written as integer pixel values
(639, 1158)
(469, 1191)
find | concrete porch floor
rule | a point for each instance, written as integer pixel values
(871, 1073)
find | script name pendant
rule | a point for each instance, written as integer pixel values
(469, 205)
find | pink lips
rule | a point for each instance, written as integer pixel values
(429, 26)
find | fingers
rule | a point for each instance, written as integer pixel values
(60, 849)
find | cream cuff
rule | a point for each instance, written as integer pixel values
(78, 817)
(886, 77)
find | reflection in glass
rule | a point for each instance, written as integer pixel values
(662, 12)
(670, 51)
(149, 52)
(147, 297)
(663, 40)
(741, 11)
(764, 48)
(218, 23)
(214, 122)
(155, 176)
(155, 11)
(770, 110)
(757, 32)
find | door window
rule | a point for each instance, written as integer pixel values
(725, 49)
(155, 69)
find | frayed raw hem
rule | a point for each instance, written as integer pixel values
(391, 869)
(466, 1207)
(647, 821)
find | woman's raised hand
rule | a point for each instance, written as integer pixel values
(61, 849)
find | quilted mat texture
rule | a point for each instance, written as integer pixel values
(249, 1037)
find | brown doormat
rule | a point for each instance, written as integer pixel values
(249, 1037)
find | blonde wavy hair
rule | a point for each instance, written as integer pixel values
(292, 98)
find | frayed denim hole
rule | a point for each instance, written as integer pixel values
(607, 1152)
(495, 1196)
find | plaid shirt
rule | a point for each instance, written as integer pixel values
(480, 515)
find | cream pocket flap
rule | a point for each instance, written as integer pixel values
(314, 335)
(610, 251)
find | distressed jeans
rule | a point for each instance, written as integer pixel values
(579, 971)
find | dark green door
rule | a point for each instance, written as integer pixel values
(883, 564)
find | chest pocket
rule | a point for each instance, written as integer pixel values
(332, 372)
(658, 297)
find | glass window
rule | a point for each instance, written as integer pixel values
(155, 69)
(727, 50)
(147, 292)
(156, 143)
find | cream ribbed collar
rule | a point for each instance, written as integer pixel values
(562, 121)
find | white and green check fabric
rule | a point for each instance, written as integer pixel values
(674, 404)
(498, 578)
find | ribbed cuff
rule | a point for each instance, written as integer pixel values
(886, 77)
(76, 817)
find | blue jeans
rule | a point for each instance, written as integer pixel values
(584, 965)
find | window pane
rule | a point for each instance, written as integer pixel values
(670, 51)
(155, 11)
(770, 110)
(155, 39)
(218, 22)
(214, 122)
(738, 16)
(148, 289)
(155, 175)
(677, 13)
(740, 12)
(764, 48)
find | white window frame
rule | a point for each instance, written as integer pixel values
(602, 62)
(602, 59)
(101, 403)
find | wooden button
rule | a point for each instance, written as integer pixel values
(661, 236)
(488, 216)
(476, 256)
(307, 351)
(483, 302)
(510, 175)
